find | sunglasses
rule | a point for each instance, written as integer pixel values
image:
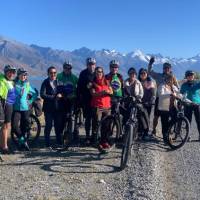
(68, 68)
(99, 72)
(12, 71)
(115, 67)
(52, 72)
(131, 73)
(190, 75)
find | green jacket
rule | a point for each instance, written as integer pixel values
(7, 91)
(67, 84)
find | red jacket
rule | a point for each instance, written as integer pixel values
(101, 101)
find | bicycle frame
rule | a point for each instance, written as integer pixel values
(116, 115)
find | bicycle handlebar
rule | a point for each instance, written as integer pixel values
(186, 101)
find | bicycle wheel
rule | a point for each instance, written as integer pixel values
(178, 133)
(35, 129)
(68, 131)
(126, 149)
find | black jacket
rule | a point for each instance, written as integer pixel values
(84, 96)
(48, 94)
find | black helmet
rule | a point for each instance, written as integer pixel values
(114, 63)
(21, 71)
(189, 73)
(90, 61)
(8, 68)
(67, 64)
(167, 65)
(132, 70)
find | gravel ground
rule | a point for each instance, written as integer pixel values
(155, 172)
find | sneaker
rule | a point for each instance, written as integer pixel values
(101, 149)
(21, 140)
(5, 151)
(106, 145)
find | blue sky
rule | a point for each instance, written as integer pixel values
(169, 27)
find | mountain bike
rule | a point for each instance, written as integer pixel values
(71, 127)
(130, 130)
(179, 128)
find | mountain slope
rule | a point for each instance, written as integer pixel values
(37, 59)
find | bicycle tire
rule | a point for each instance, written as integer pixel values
(127, 146)
(68, 131)
(32, 138)
(174, 133)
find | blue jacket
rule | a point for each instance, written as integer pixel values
(192, 90)
(25, 95)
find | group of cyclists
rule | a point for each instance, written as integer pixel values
(95, 93)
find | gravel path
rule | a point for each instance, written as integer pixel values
(155, 172)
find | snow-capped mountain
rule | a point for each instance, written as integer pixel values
(36, 59)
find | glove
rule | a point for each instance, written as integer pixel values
(152, 60)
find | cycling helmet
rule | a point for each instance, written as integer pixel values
(166, 65)
(67, 64)
(8, 68)
(132, 70)
(114, 63)
(189, 73)
(21, 71)
(90, 61)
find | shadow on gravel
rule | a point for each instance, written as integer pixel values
(75, 162)
(81, 160)
(155, 144)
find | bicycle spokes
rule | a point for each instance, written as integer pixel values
(178, 133)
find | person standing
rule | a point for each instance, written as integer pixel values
(84, 96)
(25, 95)
(67, 88)
(167, 93)
(101, 104)
(52, 114)
(133, 87)
(160, 79)
(191, 89)
(7, 97)
(149, 87)
(115, 79)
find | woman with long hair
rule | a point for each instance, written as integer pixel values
(101, 104)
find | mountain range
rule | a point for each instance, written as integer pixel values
(37, 59)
